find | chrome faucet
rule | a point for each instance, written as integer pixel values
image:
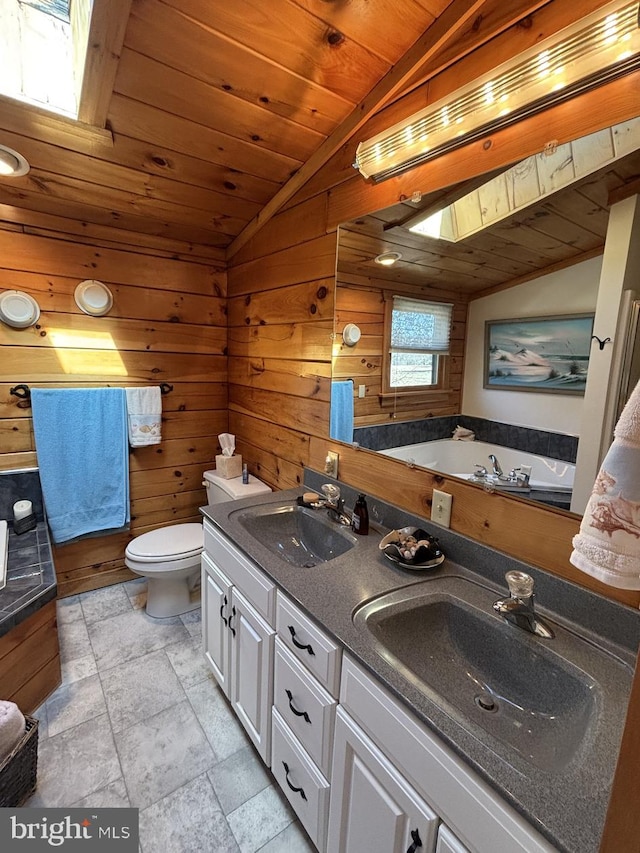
(497, 470)
(518, 608)
(334, 504)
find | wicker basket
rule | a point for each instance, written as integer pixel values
(18, 772)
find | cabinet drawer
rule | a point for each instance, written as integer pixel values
(257, 587)
(302, 783)
(309, 644)
(305, 705)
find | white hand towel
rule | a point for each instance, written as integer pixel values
(608, 544)
(144, 415)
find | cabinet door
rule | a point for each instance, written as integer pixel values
(373, 807)
(216, 608)
(448, 843)
(252, 672)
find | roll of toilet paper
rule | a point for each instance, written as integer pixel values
(22, 509)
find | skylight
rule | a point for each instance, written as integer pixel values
(37, 52)
(528, 182)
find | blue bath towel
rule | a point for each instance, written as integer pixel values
(341, 418)
(83, 455)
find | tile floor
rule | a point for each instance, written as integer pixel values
(139, 721)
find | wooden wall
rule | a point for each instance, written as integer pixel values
(361, 300)
(167, 324)
(281, 308)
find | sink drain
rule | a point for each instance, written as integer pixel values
(486, 702)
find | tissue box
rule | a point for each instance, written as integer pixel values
(229, 466)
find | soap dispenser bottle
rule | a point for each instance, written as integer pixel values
(360, 517)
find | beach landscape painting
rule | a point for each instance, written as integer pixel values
(538, 353)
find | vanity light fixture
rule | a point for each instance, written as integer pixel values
(12, 164)
(388, 259)
(599, 48)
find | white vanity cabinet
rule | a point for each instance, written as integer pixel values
(238, 610)
(360, 770)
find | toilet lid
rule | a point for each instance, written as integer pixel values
(167, 543)
(235, 488)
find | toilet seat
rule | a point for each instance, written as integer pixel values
(178, 542)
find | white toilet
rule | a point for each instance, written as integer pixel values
(169, 557)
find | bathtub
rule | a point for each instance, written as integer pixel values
(459, 459)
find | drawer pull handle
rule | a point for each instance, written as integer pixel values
(294, 710)
(222, 616)
(297, 644)
(417, 842)
(233, 613)
(293, 787)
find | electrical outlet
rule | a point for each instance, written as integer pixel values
(331, 464)
(441, 508)
(362, 390)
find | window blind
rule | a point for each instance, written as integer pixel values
(419, 326)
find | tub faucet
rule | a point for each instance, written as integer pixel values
(497, 470)
(518, 608)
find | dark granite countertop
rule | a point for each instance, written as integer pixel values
(31, 577)
(568, 807)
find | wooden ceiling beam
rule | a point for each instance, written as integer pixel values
(105, 39)
(426, 47)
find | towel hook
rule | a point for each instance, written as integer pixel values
(601, 343)
(165, 388)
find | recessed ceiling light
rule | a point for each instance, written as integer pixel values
(387, 259)
(12, 164)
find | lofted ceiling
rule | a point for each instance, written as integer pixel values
(199, 116)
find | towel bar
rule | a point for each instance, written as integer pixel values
(24, 393)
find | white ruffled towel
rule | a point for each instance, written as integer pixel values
(144, 415)
(463, 434)
(12, 727)
(608, 544)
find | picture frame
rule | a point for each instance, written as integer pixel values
(548, 355)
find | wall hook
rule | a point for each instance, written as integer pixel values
(601, 343)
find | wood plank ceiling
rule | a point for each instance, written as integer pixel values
(214, 107)
(198, 113)
(560, 230)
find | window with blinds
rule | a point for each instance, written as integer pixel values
(417, 337)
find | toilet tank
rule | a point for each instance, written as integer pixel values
(219, 489)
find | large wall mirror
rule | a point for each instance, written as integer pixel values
(526, 243)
